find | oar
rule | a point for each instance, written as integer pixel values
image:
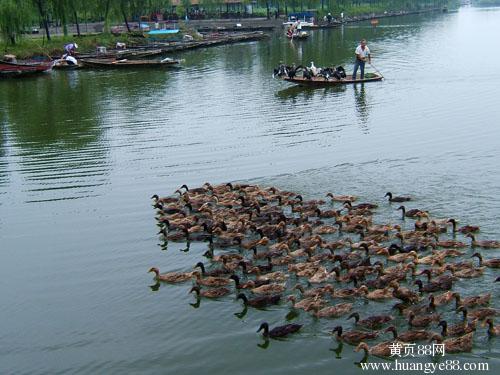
(376, 70)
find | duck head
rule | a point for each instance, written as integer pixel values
(236, 279)
(155, 270)
(264, 326)
(420, 284)
(202, 267)
(444, 324)
(354, 315)
(196, 289)
(393, 330)
(464, 311)
(337, 329)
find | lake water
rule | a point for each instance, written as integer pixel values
(82, 152)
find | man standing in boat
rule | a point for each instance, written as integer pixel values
(362, 55)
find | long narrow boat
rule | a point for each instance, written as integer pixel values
(161, 34)
(322, 82)
(113, 63)
(18, 69)
(138, 54)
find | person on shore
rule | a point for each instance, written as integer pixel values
(362, 55)
(69, 53)
(70, 49)
(329, 18)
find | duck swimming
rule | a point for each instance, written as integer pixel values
(280, 331)
(410, 336)
(372, 322)
(456, 345)
(171, 277)
(422, 321)
(465, 229)
(342, 198)
(259, 302)
(396, 199)
(415, 212)
(210, 293)
(457, 329)
(309, 241)
(471, 301)
(492, 263)
(215, 272)
(383, 349)
(249, 284)
(480, 314)
(269, 289)
(446, 284)
(353, 337)
(441, 299)
(210, 280)
(492, 329)
(332, 311)
(485, 244)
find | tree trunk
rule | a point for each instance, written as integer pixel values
(65, 24)
(267, 8)
(106, 14)
(125, 19)
(43, 16)
(75, 15)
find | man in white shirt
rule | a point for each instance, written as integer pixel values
(362, 55)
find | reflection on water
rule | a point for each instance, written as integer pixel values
(3, 160)
(57, 143)
(361, 107)
(338, 349)
(111, 139)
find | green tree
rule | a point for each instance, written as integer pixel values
(42, 7)
(14, 17)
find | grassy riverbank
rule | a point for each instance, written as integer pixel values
(37, 46)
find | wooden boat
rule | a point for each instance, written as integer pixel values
(130, 53)
(114, 63)
(18, 69)
(321, 82)
(137, 53)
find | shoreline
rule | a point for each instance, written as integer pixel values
(35, 47)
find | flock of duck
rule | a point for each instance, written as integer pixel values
(268, 246)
